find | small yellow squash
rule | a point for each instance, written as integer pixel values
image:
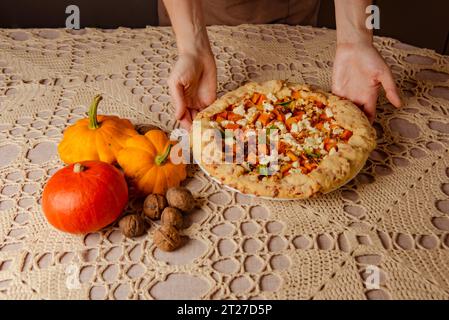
(146, 160)
(96, 137)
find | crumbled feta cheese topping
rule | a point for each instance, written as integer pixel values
(272, 97)
(317, 110)
(313, 142)
(280, 126)
(337, 131)
(240, 110)
(304, 124)
(287, 137)
(250, 113)
(265, 159)
(267, 106)
(242, 122)
(295, 127)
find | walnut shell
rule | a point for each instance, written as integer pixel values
(172, 217)
(180, 198)
(154, 205)
(132, 225)
(167, 238)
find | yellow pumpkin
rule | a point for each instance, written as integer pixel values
(146, 160)
(96, 137)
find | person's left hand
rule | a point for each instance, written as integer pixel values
(192, 84)
(358, 73)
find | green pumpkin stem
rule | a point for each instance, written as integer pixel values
(161, 158)
(93, 121)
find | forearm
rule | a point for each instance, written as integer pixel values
(187, 20)
(351, 21)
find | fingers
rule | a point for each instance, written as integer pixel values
(197, 106)
(369, 108)
(186, 121)
(390, 88)
(366, 103)
(193, 114)
(177, 93)
(208, 93)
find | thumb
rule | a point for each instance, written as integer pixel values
(390, 88)
(177, 94)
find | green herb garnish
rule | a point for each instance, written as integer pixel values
(263, 170)
(312, 154)
(271, 130)
(286, 103)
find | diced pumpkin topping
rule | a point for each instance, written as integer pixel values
(306, 126)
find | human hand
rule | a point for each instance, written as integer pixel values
(193, 85)
(358, 73)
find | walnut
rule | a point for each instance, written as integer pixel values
(180, 198)
(167, 238)
(132, 225)
(172, 217)
(154, 205)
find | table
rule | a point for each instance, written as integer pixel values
(384, 235)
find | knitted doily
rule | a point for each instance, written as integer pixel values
(392, 219)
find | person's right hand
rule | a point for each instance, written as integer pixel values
(193, 85)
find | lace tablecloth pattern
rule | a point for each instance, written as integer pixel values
(392, 220)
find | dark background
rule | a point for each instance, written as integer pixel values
(420, 23)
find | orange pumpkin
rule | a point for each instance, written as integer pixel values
(84, 197)
(146, 160)
(96, 137)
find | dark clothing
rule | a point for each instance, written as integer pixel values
(235, 12)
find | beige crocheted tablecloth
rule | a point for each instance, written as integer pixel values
(383, 235)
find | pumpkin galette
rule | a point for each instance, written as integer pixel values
(322, 141)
